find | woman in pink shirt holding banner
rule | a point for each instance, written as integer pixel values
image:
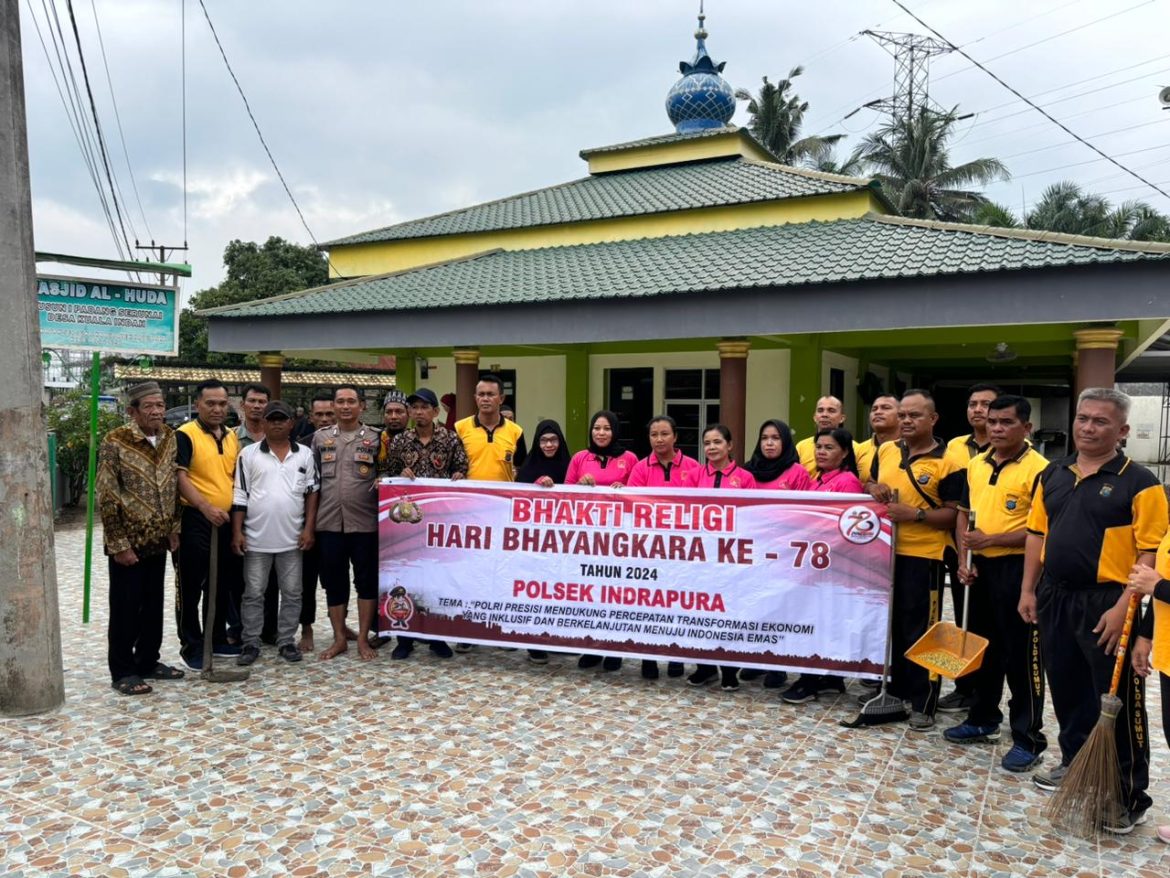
(720, 471)
(603, 464)
(836, 474)
(775, 463)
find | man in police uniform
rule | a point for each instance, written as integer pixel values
(1094, 515)
(997, 497)
(347, 518)
(921, 490)
(960, 451)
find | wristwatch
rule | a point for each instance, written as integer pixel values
(920, 515)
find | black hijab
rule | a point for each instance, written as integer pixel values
(766, 470)
(614, 448)
(538, 464)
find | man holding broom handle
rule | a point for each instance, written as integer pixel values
(1094, 515)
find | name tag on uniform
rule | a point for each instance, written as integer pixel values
(363, 457)
(328, 456)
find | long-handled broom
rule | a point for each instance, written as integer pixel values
(210, 672)
(1091, 791)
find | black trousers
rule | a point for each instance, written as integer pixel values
(310, 568)
(1013, 653)
(963, 685)
(917, 603)
(1079, 672)
(338, 552)
(1165, 683)
(136, 616)
(191, 588)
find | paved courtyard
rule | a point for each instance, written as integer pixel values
(488, 765)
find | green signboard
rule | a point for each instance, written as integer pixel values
(113, 316)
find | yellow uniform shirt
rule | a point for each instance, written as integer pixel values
(866, 451)
(963, 449)
(210, 463)
(490, 453)
(1160, 657)
(1000, 494)
(1094, 527)
(807, 449)
(927, 481)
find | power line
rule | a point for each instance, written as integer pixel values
(1013, 131)
(1089, 162)
(1094, 78)
(118, 119)
(259, 134)
(1038, 109)
(1076, 138)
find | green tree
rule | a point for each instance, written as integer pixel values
(991, 214)
(1066, 207)
(68, 417)
(777, 114)
(253, 271)
(911, 159)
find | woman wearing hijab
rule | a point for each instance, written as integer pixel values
(836, 474)
(548, 465)
(775, 464)
(720, 471)
(603, 464)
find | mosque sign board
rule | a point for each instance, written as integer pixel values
(788, 580)
(114, 316)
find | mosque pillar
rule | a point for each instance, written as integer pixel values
(1096, 357)
(271, 365)
(733, 354)
(466, 377)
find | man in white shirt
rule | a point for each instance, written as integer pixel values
(274, 512)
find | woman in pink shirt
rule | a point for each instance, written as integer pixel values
(775, 463)
(720, 471)
(836, 474)
(604, 462)
(665, 466)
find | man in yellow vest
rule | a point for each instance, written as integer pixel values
(206, 459)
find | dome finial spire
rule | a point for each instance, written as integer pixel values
(702, 98)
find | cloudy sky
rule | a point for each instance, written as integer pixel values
(379, 111)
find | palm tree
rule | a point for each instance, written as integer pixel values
(991, 214)
(777, 114)
(1066, 207)
(910, 158)
(850, 167)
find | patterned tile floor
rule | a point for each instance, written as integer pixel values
(487, 765)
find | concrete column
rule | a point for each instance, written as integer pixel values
(31, 679)
(466, 377)
(1096, 358)
(271, 365)
(577, 396)
(733, 354)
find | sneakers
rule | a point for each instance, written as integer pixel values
(799, 692)
(730, 681)
(920, 722)
(1124, 823)
(588, 660)
(969, 733)
(440, 649)
(775, 679)
(675, 669)
(749, 674)
(464, 647)
(611, 663)
(538, 656)
(827, 685)
(248, 655)
(401, 652)
(955, 702)
(226, 650)
(649, 670)
(193, 663)
(289, 653)
(1050, 781)
(702, 676)
(1019, 759)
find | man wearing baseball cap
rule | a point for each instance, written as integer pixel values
(274, 512)
(427, 451)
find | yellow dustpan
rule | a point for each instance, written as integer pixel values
(946, 649)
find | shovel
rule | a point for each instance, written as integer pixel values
(946, 649)
(210, 673)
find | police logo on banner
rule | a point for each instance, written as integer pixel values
(859, 524)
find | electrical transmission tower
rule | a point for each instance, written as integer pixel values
(912, 54)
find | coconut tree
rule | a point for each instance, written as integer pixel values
(777, 114)
(911, 158)
(1066, 207)
(991, 214)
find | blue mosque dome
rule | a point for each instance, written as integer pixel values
(702, 98)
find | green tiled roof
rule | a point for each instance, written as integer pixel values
(624, 193)
(870, 248)
(672, 137)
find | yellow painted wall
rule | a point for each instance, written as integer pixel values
(710, 147)
(352, 260)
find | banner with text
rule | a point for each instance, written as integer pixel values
(113, 316)
(773, 579)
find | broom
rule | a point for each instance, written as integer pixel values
(1091, 791)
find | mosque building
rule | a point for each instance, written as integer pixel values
(693, 273)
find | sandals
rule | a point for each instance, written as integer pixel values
(132, 686)
(165, 672)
